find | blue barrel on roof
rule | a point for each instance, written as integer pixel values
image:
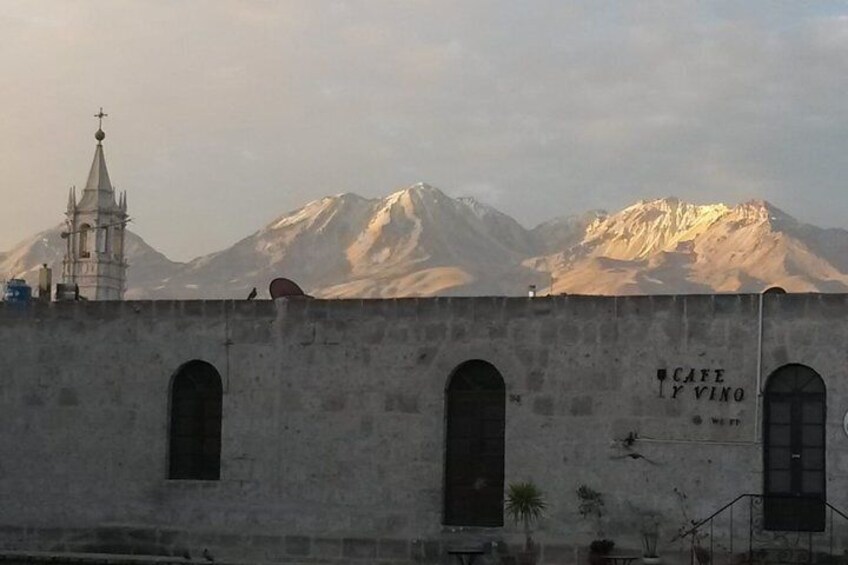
(17, 291)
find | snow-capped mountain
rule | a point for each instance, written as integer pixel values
(668, 246)
(417, 241)
(420, 242)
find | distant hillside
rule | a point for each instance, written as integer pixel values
(148, 268)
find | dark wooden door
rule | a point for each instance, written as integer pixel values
(474, 458)
(794, 449)
(196, 414)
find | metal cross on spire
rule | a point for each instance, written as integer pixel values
(100, 115)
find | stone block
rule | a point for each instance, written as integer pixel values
(428, 309)
(727, 304)
(543, 405)
(548, 331)
(607, 332)
(399, 335)
(270, 545)
(460, 308)
(68, 397)
(106, 310)
(435, 331)
(143, 535)
(359, 548)
(316, 310)
(516, 307)
(375, 332)
(326, 548)
(393, 549)
(458, 331)
(589, 307)
(33, 400)
(432, 551)
(582, 406)
(346, 309)
(298, 545)
(535, 380)
(12, 532)
(406, 403)
(425, 355)
(664, 304)
(406, 307)
(498, 330)
(192, 308)
(556, 554)
(229, 540)
(488, 308)
(334, 402)
(542, 309)
(167, 537)
(569, 333)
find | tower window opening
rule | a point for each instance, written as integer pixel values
(103, 241)
(83, 240)
(117, 242)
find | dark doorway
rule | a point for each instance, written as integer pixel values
(195, 438)
(794, 450)
(474, 459)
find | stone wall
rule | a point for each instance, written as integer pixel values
(334, 419)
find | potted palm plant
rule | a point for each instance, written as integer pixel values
(524, 504)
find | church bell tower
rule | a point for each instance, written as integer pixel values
(95, 225)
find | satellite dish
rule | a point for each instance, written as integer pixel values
(774, 290)
(281, 288)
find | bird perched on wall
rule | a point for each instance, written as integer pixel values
(206, 555)
(252, 294)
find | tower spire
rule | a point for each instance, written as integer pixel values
(100, 135)
(94, 258)
(72, 199)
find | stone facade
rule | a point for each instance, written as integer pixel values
(334, 419)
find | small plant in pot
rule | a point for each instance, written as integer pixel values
(598, 548)
(592, 508)
(702, 554)
(649, 548)
(525, 504)
(650, 536)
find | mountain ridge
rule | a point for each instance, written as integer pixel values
(418, 241)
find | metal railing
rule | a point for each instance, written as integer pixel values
(746, 531)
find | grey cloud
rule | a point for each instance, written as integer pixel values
(225, 115)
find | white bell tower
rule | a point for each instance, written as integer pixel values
(94, 256)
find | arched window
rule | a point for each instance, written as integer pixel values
(118, 241)
(474, 458)
(83, 240)
(794, 450)
(195, 435)
(103, 245)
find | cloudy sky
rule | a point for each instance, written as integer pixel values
(224, 115)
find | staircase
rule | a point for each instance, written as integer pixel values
(756, 529)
